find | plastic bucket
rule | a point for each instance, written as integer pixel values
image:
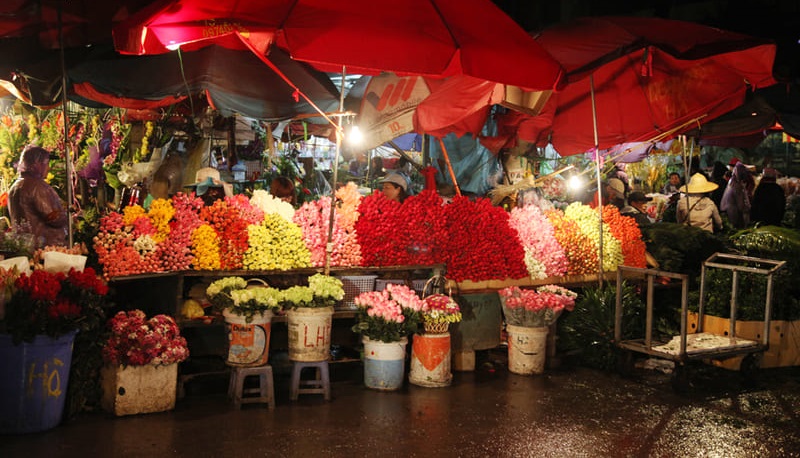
(33, 382)
(384, 364)
(248, 343)
(526, 349)
(309, 333)
(430, 360)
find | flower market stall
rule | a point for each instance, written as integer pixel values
(481, 247)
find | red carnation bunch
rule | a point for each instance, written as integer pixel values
(53, 304)
(137, 341)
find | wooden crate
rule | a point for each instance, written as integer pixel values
(784, 339)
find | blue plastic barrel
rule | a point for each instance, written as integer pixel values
(33, 382)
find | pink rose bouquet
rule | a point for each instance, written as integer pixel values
(535, 307)
(388, 315)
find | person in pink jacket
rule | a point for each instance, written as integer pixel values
(31, 200)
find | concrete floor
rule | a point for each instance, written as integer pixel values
(567, 412)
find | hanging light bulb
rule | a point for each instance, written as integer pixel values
(575, 183)
(354, 136)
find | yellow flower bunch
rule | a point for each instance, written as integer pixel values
(131, 213)
(161, 211)
(142, 153)
(275, 244)
(205, 248)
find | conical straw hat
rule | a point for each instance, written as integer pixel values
(698, 184)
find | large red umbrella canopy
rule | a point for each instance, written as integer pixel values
(82, 22)
(423, 37)
(652, 78)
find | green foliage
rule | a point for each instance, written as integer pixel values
(589, 328)
(680, 248)
(769, 242)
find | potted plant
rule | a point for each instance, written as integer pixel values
(310, 312)
(529, 314)
(430, 352)
(385, 319)
(141, 356)
(248, 311)
(44, 312)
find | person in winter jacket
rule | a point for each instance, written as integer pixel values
(736, 199)
(31, 200)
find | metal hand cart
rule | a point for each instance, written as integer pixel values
(699, 345)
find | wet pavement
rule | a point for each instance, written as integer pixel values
(567, 412)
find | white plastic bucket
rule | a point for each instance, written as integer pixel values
(527, 348)
(309, 333)
(248, 342)
(384, 364)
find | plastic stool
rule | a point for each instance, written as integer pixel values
(265, 390)
(320, 384)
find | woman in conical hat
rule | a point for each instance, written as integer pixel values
(696, 208)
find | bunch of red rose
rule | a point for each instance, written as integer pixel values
(377, 228)
(479, 243)
(420, 229)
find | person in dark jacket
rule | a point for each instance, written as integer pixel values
(636, 208)
(32, 200)
(769, 200)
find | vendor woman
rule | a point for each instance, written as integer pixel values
(394, 186)
(32, 200)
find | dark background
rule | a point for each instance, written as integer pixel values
(775, 19)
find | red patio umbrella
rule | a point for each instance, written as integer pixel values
(640, 79)
(421, 37)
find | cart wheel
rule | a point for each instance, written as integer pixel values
(749, 367)
(625, 362)
(680, 378)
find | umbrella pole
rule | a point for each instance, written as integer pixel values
(599, 184)
(449, 167)
(67, 151)
(329, 244)
(686, 161)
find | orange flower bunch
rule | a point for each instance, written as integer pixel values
(625, 229)
(579, 248)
